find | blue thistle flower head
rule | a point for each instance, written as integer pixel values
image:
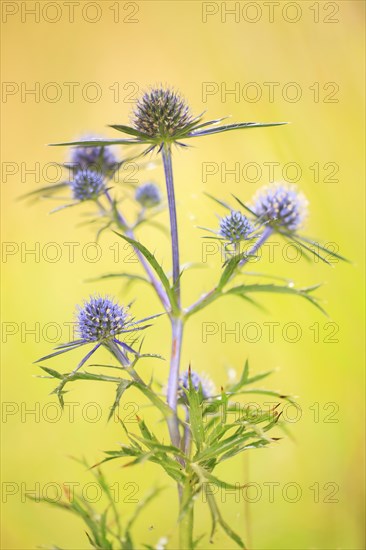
(281, 205)
(100, 319)
(101, 159)
(162, 114)
(148, 195)
(198, 381)
(87, 185)
(236, 227)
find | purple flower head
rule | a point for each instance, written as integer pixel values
(87, 185)
(100, 319)
(281, 205)
(197, 381)
(236, 227)
(148, 195)
(100, 159)
(161, 113)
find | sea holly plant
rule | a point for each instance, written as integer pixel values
(202, 431)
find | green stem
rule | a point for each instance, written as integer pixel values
(173, 381)
(114, 349)
(186, 523)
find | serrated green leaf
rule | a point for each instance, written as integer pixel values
(131, 131)
(300, 240)
(153, 444)
(53, 373)
(157, 268)
(96, 143)
(118, 276)
(245, 380)
(204, 301)
(245, 206)
(64, 349)
(45, 189)
(229, 270)
(278, 289)
(270, 393)
(155, 400)
(259, 376)
(219, 201)
(217, 518)
(195, 406)
(121, 388)
(237, 126)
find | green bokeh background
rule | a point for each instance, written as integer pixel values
(171, 44)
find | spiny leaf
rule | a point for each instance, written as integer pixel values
(220, 202)
(44, 190)
(301, 242)
(121, 388)
(245, 206)
(195, 398)
(96, 143)
(204, 301)
(118, 276)
(160, 447)
(235, 126)
(53, 373)
(229, 270)
(270, 393)
(156, 266)
(217, 518)
(278, 289)
(245, 380)
(129, 130)
(155, 399)
(60, 351)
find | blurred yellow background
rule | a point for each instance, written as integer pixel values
(318, 47)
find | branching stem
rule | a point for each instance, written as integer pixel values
(149, 272)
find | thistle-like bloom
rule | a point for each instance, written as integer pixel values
(148, 195)
(198, 381)
(161, 116)
(97, 159)
(101, 321)
(87, 185)
(236, 227)
(100, 159)
(161, 113)
(281, 205)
